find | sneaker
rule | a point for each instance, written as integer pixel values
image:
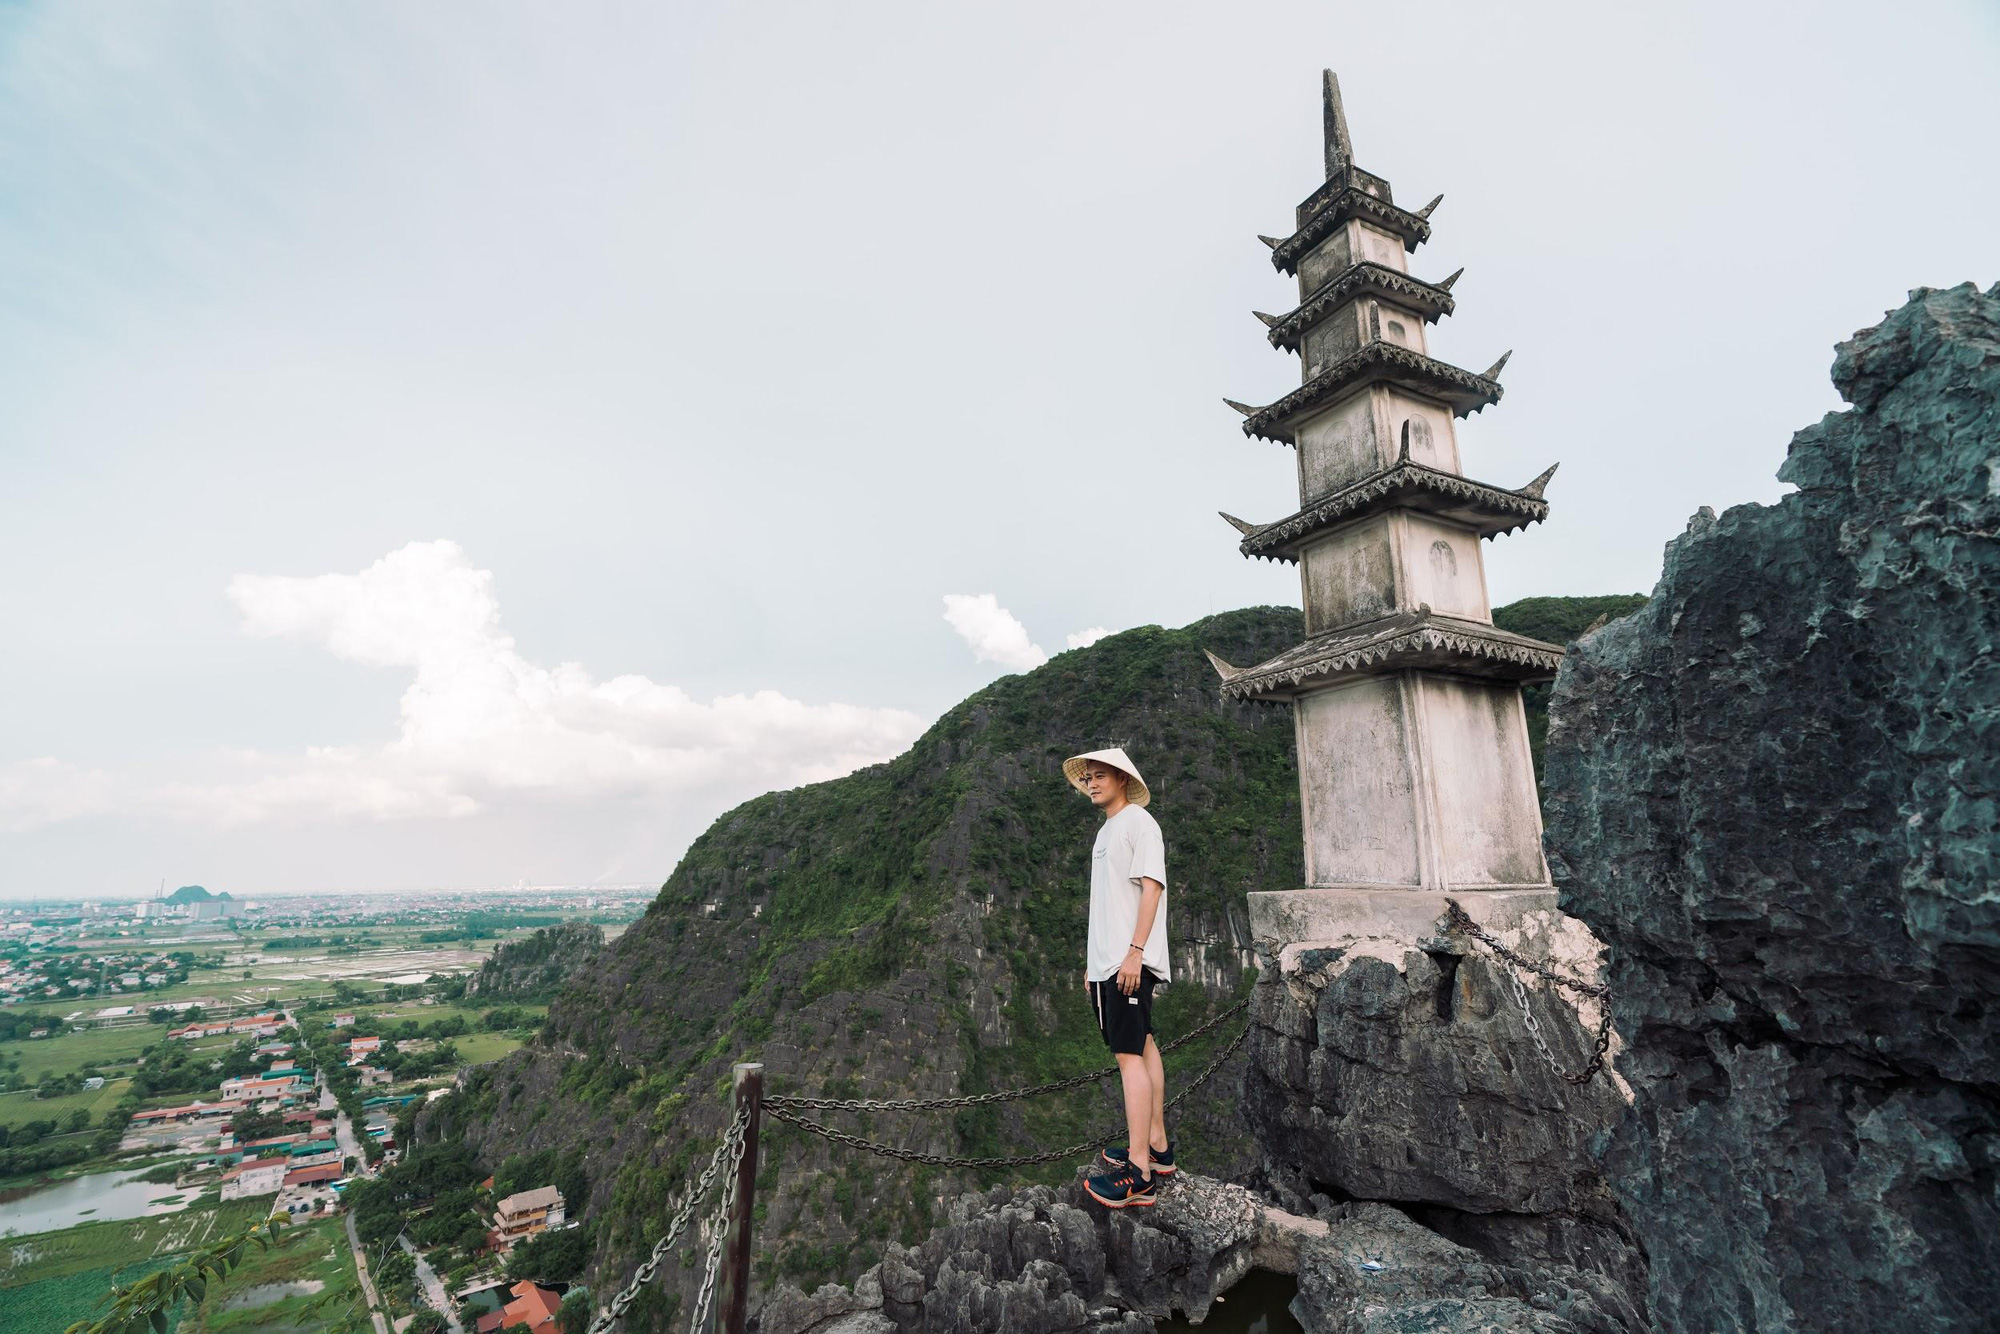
(1121, 1188)
(1163, 1159)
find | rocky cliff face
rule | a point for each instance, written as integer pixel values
(538, 963)
(1773, 792)
(1403, 1072)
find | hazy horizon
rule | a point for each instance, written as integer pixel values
(457, 444)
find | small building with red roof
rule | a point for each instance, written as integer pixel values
(313, 1176)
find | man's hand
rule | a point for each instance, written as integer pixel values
(1128, 972)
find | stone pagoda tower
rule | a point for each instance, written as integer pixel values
(1414, 771)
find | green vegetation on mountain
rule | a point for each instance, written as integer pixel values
(538, 963)
(915, 928)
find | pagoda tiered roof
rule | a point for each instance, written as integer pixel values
(1420, 640)
(1487, 510)
(1334, 204)
(1376, 361)
(1428, 300)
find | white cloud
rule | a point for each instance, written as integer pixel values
(46, 791)
(992, 631)
(479, 724)
(997, 635)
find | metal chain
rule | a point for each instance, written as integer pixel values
(644, 1274)
(719, 1223)
(1456, 919)
(789, 1117)
(979, 1099)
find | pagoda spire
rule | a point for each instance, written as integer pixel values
(1415, 774)
(1339, 147)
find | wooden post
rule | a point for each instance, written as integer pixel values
(733, 1301)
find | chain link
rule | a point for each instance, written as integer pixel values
(789, 1117)
(978, 1099)
(719, 1223)
(644, 1274)
(1456, 919)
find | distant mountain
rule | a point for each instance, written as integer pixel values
(538, 963)
(194, 894)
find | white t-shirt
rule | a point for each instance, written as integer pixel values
(1128, 846)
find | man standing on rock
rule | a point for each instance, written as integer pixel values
(1124, 959)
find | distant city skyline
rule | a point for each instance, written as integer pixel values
(465, 445)
(646, 886)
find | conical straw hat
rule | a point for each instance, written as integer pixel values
(1136, 790)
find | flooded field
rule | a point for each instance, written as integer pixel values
(97, 1197)
(264, 1294)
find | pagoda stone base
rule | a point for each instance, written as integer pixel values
(1293, 916)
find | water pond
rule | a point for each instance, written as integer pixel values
(84, 1199)
(1258, 1305)
(264, 1294)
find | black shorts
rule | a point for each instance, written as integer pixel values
(1126, 1021)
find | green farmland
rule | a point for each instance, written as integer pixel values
(20, 1108)
(53, 1278)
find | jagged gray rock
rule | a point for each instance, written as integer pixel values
(1379, 1272)
(1402, 1071)
(1041, 1261)
(1773, 793)
(1388, 1072)
(1032, 1261)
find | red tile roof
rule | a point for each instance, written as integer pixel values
(533, 1306)
(311, 1176)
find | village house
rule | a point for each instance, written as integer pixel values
(193, 1111)
(533, 1309)
(360, 1049)
(312, 1153)
(263, 1025)
(252, 1088)
(259, 1148)
(523, 1214)
(255, 1176)
(318, 1174)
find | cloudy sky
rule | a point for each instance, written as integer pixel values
(472, 444)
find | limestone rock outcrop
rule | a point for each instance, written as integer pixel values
(1774, 793)
(1401, 1070)
(1044, 1260)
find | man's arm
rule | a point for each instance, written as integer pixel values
(1135, 955)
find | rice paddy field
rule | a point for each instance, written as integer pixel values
(307, 1284)
(53, 1278)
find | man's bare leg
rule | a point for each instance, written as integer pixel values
(1157, 1072)
(1140, 1101)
